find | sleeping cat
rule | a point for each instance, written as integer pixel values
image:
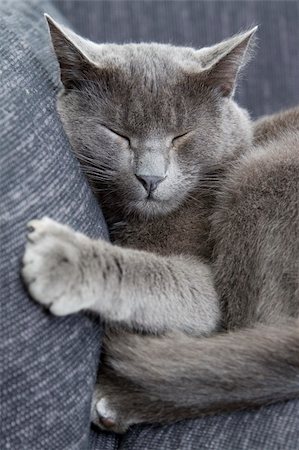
(200, 289)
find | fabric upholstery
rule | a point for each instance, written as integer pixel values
(48, 364)
(274, 427)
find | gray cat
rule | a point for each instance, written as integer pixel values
(200, 289)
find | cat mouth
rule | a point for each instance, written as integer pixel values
(154, 202)
(150, 198)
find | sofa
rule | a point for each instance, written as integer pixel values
(49, 364)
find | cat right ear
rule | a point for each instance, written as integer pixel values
(222, 62)
(74, 63)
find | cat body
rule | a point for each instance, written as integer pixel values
(257, 362)
(200, 288)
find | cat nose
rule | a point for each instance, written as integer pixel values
(149, 182)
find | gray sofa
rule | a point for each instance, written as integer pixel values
(48, 364)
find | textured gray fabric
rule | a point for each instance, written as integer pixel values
(271, 428)
(271, 81)
(48, 364)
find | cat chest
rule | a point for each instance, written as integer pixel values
(190, 238)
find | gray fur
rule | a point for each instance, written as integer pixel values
(207, 268)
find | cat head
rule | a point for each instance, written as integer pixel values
(147, 121)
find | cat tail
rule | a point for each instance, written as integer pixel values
(178, 376)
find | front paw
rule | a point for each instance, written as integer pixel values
(53, 267)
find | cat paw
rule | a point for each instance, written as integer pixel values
(52, 267)
(106, 417)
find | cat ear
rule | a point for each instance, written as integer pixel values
(222, 62)
(69, 48)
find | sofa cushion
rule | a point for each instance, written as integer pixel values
(48, 364)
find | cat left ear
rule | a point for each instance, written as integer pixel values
(69, 48)
(222, 62)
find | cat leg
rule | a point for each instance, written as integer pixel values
(68, 272)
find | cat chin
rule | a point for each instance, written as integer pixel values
(151, 208)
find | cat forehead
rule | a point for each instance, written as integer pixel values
(215, 67)
(144, 56)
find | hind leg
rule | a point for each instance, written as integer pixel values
(255, 230)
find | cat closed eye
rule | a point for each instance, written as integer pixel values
(117, 134)
(176, 138)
